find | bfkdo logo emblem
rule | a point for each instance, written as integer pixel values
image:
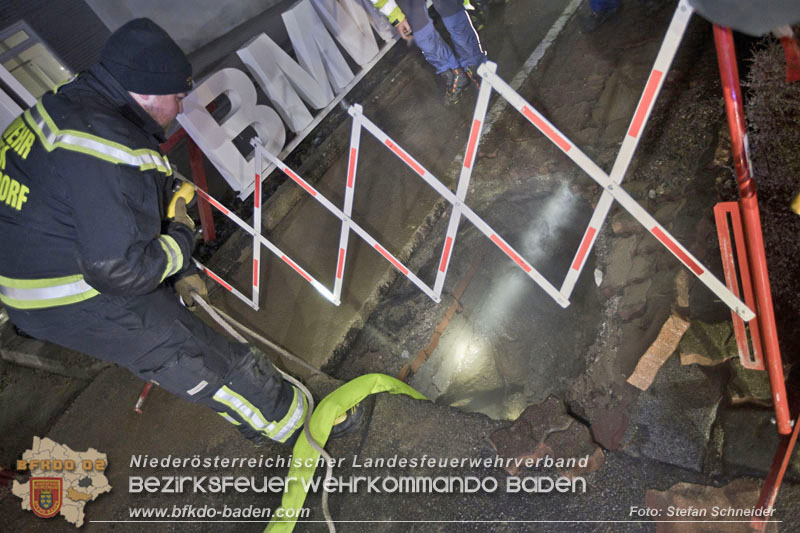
(46, 495)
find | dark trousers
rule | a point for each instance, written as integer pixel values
(468, 50)
(416, 11)
(158, 339)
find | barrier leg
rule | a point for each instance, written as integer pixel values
(748, 203)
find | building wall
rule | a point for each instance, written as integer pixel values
(69, 27)
(192, 23)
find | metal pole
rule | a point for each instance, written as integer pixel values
(199, 178)
(729, 72)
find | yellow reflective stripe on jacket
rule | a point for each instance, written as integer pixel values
(174, 256)
(46, 292)
(52, 137)
(390, 9)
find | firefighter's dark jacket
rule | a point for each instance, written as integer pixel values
(90, 189)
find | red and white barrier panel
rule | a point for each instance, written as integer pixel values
(347, 223)
(258, 239)
(459, 209)
(457, 203)
(619, 194)
(257, 221)
(675, 32)
(478, 119)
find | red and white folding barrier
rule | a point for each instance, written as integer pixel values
(611, 184)
(361, 122)
(457, 201)
(491, 82)
(258, 240)
(658, 73)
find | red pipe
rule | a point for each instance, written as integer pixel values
(142, 397)
(748, 203)
(772, 483)
(199, 177)
(791, 49)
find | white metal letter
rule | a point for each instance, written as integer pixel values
(216, 140)
(315, 49)
(379, 21)
(349, 24)
(282, 78)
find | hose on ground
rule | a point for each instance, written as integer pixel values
(281, 351)
(226, 322)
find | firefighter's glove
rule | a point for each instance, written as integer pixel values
(191, 284)
(181, 216)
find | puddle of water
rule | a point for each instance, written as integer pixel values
(512, 345)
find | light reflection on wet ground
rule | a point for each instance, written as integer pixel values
(512, 345)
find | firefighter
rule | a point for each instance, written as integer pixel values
(88, 260)
(457, 69)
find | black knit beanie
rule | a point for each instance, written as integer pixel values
(144, 59)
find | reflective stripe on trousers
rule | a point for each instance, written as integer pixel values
(279, 431)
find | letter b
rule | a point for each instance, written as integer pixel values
(216, 140)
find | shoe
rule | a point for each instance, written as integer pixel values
(349, 421)
(474, 77)
(593, 20)
(456, 80)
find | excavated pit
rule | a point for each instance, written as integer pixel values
(499, 351)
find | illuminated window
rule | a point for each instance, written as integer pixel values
(30, 61)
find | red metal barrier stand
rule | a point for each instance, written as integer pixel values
(769, 491)
(748, 204)
(198, 178)
(723, 210)
(791, 49)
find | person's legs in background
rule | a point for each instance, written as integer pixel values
(436, 51)
(465, 39)
(599, 12)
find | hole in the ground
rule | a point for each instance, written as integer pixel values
(506, 344)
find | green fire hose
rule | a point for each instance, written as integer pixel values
(334, 404)
(319, 421)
